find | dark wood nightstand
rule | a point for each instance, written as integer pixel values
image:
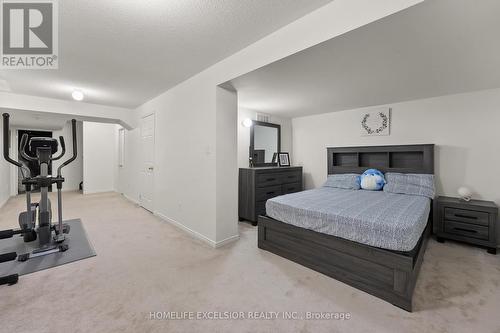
(473, 222)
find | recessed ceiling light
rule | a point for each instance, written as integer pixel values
(77, 95)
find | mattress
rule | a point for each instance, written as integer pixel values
(376, 218)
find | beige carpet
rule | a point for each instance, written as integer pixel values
(144, 264)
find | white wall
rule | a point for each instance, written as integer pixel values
(227, 165)
(188, 172)
(464, 128)
(244, 134)
(99, 157)
(4, 174)
(73, 173)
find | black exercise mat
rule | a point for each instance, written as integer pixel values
(79, 248)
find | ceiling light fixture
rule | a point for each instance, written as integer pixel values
(77, 95)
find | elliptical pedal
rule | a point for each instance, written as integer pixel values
(42, 252)
(9, 280)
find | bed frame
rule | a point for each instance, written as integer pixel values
(389, 275)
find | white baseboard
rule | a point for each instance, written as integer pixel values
(130, 199)
(196, 234)
(227, 241)
(97, 191)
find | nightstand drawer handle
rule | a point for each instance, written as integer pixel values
(466, 230)
(466, 216)
(269, 193)
(270, 179)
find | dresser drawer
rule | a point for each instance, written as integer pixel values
(262, 194)
(292, 188)
(466, 229)
(466, 216)
(291, 177)
(268, 179)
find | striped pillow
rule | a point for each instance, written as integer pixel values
(410, 183)
(350, 181)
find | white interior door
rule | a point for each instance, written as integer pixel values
(147, 161)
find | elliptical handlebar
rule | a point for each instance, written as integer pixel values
(63, 149)
(75, 150)
(22, 148)
(6, 129)
(24, 142)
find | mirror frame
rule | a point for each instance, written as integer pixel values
(252, 144)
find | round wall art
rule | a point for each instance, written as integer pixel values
(376, 122)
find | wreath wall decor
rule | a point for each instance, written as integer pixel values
(376, 122)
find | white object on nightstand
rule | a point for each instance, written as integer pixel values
(465, 193)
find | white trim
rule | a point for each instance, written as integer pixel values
(196, 234)
(186, 229)
(227, 241)
(130, 199)
(97, 192)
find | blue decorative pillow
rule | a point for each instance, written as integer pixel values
(348, 181)
(410, 183)
(372, 180)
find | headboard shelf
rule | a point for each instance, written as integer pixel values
(400, 158)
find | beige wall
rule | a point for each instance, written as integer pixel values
(464, 127)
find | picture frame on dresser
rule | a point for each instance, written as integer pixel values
(284, 159)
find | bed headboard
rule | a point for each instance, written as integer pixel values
(400, 158)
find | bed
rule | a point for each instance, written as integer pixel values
(382, 252)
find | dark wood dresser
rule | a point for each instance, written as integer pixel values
(257, 185)
(473, 222)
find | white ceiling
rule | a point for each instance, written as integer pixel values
(435, 48)
(124, 52)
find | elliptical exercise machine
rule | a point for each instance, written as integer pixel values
(50, 236)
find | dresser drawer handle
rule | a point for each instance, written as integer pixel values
(466, 216)
(466, 230)
(270, 179)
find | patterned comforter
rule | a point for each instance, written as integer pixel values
(385, 220)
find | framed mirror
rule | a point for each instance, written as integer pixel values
(265, 142)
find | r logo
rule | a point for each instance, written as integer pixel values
(28, 28)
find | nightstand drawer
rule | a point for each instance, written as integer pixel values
(466, 216)
(466, 229)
